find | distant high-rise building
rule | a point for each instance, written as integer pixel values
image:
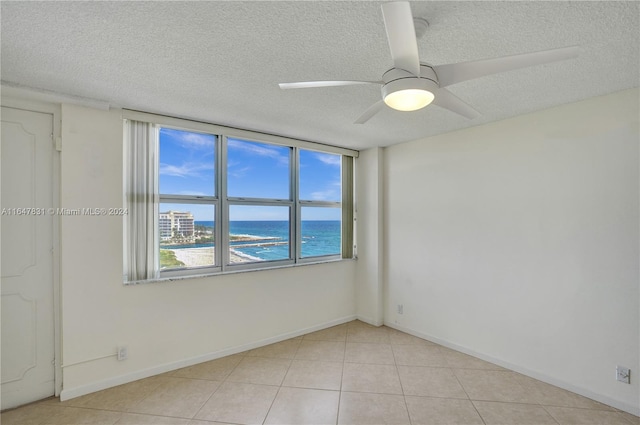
(176, 226)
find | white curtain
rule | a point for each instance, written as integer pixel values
(141, 195)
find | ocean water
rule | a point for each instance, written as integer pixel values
(319, 237)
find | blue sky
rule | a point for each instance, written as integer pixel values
(255, 170)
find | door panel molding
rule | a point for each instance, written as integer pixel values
(19, 260)
(15, 368)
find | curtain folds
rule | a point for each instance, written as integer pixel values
(141, 198)
(347, 208)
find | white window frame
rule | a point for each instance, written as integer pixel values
(222, 202)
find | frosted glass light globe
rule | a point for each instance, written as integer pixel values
(409, 99)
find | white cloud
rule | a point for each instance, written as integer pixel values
(258, 149)
(238, 172)
(198, 140)
(187, 169)
(325, 195)
(191, 140)
(331, 192)
(329, 159)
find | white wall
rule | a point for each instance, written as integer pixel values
(369, 294)
(164, 325)
(518, 241)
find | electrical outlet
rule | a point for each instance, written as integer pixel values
(400, 309)
(123, 353)
(623, 374)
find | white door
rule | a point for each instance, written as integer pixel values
(27, 260)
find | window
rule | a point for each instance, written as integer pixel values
(187, 195)
(320, 199)
(204, 199)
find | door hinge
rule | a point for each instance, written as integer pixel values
(59, 144)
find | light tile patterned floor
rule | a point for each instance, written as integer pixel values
(349, 374)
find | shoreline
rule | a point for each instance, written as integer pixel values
(232, 238)
(204, 256)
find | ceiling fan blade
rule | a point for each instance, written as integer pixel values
(373, 109)
(314, 84)
(463, 71)
(401, 34)
(447, 100)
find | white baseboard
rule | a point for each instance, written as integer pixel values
(369, 320)
(69, 393)
(627, 407)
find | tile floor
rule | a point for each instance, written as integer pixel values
(348, 374)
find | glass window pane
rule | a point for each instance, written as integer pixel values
(320, 178)
(187, 163)
(258, 233)
(257, 170)
(321, 231)
(186, 235)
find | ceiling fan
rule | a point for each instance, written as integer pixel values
(411, 85)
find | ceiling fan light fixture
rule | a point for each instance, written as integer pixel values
(409, 99)
(408, 94)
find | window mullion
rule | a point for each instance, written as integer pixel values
(223, 229)
(296, 238)
(329, 204)
(254, 201)
(170, 199)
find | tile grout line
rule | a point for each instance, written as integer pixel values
(146, 396)
(283, 378)
(404, 396)
(549, 413)
(206, 401)
(219, 386)
(468, 396)
(344, 360)
(478, 412)
(545, 406)
(271, 405)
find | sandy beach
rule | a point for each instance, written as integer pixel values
(194, 257)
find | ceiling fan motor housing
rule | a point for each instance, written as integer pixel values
(416, 91)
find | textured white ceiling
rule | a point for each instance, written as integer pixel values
(220, 62)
